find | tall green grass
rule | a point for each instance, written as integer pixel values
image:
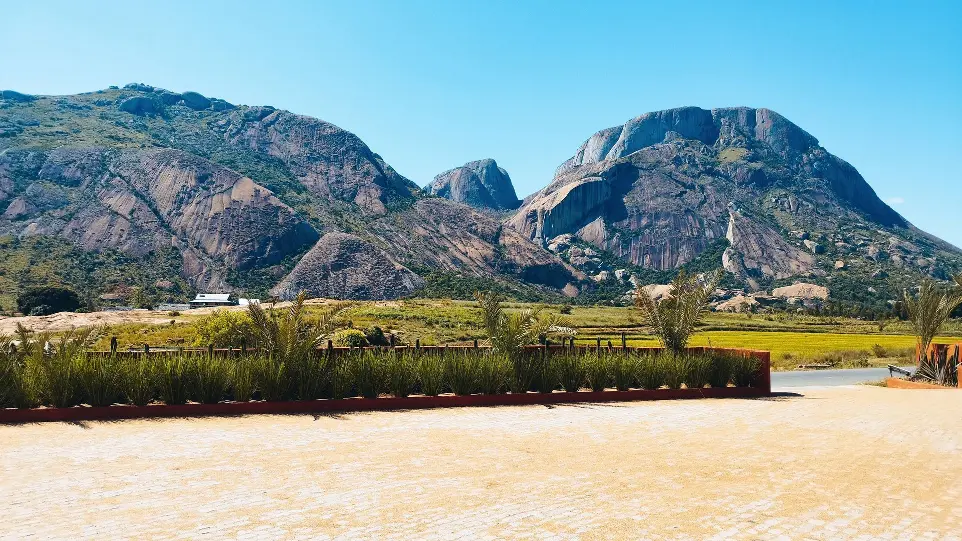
(64, 374)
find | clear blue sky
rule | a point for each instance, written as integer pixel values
(430, 85)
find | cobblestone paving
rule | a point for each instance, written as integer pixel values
(843, 463)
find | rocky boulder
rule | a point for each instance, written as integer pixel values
(195, 101)
(801, 290)
(141, 106)
(480, 184)
(343, 266)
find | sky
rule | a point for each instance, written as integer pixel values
(432, 85)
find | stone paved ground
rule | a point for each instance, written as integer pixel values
(841, 463)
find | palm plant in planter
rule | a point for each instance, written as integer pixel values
(928, 310)
(509, 333)
(289, 342)
(674, 317)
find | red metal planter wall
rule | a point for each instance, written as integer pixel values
(363, 404)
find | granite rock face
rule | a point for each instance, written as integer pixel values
(140, 201)
(343, 266)
(480, 184)
(241, 193)
(661, 189)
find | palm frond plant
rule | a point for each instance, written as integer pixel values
(928, 311)
(939, 368)
(291, 341)
(509, 332)
(675, 316)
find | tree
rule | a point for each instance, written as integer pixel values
(674, 317)
(46, 300)
(929, 309)
(510, 332)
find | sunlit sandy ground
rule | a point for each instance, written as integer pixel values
(851, 462)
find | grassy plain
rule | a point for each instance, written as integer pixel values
(792, 339)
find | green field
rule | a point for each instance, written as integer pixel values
(792, 339)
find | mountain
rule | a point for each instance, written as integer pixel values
(480, 184)
(140, 192)
(232, 198)
(665, 188)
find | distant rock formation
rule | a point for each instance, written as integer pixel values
(342, 266)
(480, 184)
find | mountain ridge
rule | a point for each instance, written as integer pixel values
(245, 193)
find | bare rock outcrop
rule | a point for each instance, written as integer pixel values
(480, 184)
(343, 266)
(801, 290)
(757, 250)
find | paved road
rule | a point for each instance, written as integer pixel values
(828, 378)
(837, 463)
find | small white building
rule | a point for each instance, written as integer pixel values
(205, 300)
(246, 302)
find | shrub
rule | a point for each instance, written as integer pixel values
(60, 382)
(18, 376)
(375, 336)
(597, 370)
(570, 372)
(672, 370)
(222, 329)
(42, 301)
(461, 371)
(744, 371)
(269, 377)
(210, 377)
(350, 338)
(697, 370)
(545, 367)
(879, 351)
(650, 372)
(720, 373)
(493, 373)
(623, 371)
(431, 374)
(137, 379)
(98, 379)
(565, 309)
(368, 372)
(401, 373)
(173, 378)
(242, 379)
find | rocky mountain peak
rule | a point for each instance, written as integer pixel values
(480, 184)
